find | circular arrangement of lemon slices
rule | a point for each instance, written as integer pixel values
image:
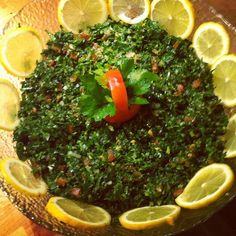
(211, 41)
(9, 105)
(78, 214)
(224, 79)
(149, 217)
(230, 137)
(20, 49)
(207, 185)
(131, 12)
(20, 176)
(77, 15)
(177, 17)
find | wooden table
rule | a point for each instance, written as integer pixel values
(12, 222)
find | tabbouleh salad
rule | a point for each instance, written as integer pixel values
(146, 160)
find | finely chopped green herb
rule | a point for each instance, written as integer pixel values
(147, 160)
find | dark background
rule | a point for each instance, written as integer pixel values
(222, 223)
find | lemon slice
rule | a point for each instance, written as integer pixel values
(230, 137)
(149, 217)
(77, 15)
(211, 41)
(9, 105)
(177, 17)
(20, 49)
(224, 79)
(20, 176)
(207, 185)
(131, 12)
(77, 214)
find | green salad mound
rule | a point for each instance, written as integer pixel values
(147, 160)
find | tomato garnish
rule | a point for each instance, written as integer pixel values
(120, 98)
(121, 117)
(118, 90)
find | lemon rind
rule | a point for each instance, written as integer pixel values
(230, 154)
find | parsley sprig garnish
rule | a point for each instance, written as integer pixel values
(96, 101)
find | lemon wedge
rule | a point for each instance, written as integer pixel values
(211, 41)
(207, 185)
(9, 105)
(131, 12)
(20, 176)
(230, 137)
(224, 79)
(77, 15)
(20, 50)
(177, 17)
(149, 217)
(77, 214)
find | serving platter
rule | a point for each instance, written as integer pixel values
(33, 208)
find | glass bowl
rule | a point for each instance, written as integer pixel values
(42, 15)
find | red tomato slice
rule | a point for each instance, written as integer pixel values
(120, 98)
(118, 90)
